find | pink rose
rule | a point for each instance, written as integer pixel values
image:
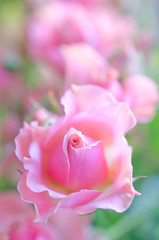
(142, 95)
(83, 161)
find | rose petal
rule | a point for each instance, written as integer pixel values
(44, 204)
(84, 98)
(87, 163)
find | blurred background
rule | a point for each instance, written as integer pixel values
(26, 76)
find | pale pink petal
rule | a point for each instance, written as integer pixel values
(58, 165)
(26, 135)
(118, 201)
(44, 204)
(84, 98)
(80, 198)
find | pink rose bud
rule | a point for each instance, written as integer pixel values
(83, 161)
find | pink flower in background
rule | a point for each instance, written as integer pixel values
(69, 22)
(89, 3)
(83, 161)
(63, 23)
(114, 30)
(85, 65)
(43, 116)
(142, 95)
(16, 222)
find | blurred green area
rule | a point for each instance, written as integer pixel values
(141, 220)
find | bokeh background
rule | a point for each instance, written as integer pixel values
(141, 220)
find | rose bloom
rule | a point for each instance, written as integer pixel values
(68, 22)
(81, 162)
(16, 222)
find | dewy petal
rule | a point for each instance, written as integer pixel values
(85, 97)
(87, 161)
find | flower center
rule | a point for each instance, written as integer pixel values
(75, 141)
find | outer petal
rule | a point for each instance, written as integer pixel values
(84, 98)
(118, 200)
(30, 148)
(35, 177)
(26, 136)
(77, 199)
(44, 204)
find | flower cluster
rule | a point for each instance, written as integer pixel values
(72, 156)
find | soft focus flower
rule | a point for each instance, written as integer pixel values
(83, 161)
(85, 65)
(142, 94)
(63, 23)
(114, 30)
(69, 22)
(8, 82)
(9, 125)
(43, 116)
(70, 225)
(16, 222)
